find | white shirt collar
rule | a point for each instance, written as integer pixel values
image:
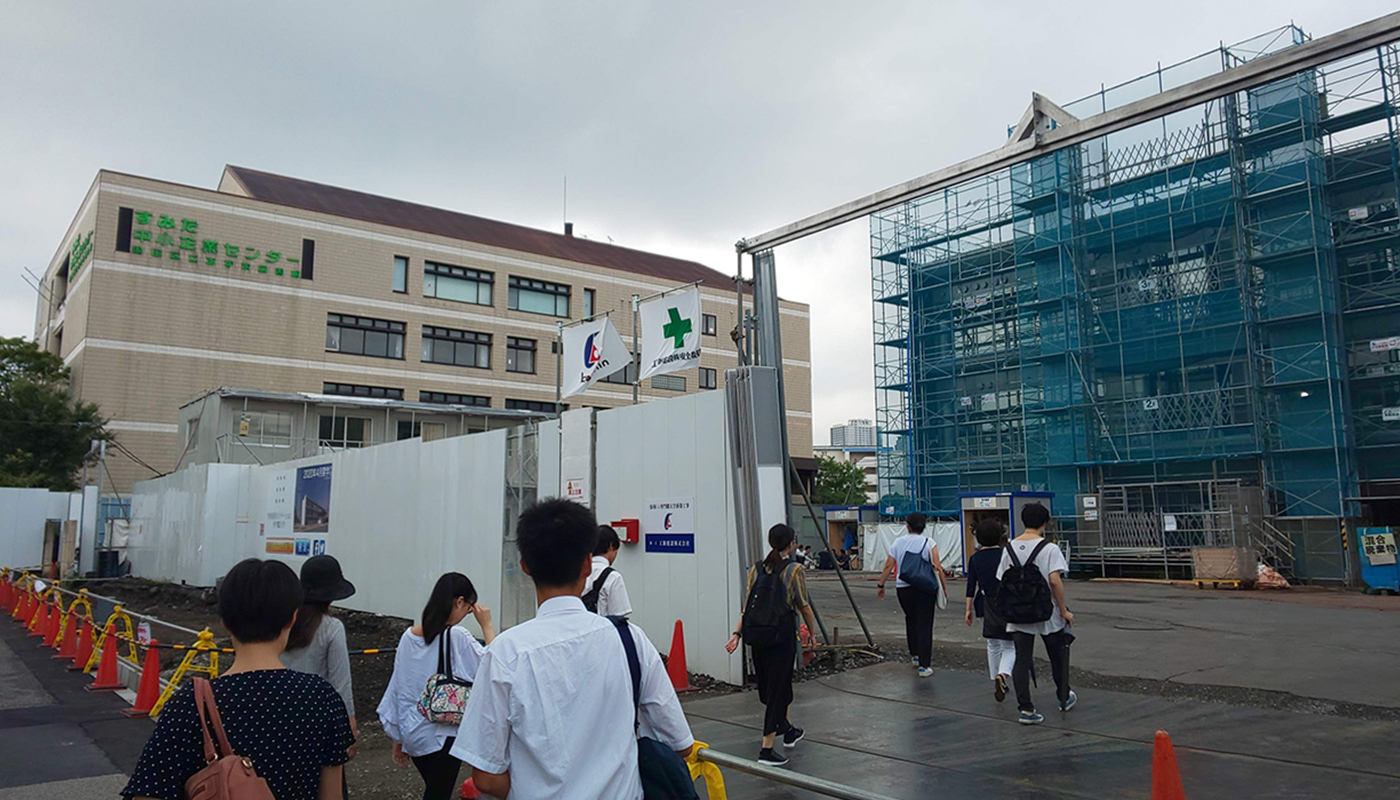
(601, 562)
(560, 605)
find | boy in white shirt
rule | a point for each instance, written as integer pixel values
(551, 713)
(1053, 631)
(610, 597)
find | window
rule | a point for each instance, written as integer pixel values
(308, 258)
(627, 376)
(709, 325)
(448, 398)
(520, 355)
(458, 284)
(354, 390)
(338, 431)
(124, 216)
(538, 297)
(263, 428)
(708, 378)
(363, 336)
(671, 383)
(413, 429)
(401, 274)
(460, 348)
(587, 303)
(534, 405)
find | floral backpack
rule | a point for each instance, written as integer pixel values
(445, 697)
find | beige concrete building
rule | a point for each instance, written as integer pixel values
(160, 293)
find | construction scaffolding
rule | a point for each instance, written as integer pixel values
(1207, 299)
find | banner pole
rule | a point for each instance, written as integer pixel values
(558, 392)
(636, 357)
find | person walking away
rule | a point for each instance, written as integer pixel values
(918, 606)
(775, 590)
(435, 646)
(553, 712)
(604, 592)
(291, 726)
(981, 602)
(317, 641)
(1031, 596)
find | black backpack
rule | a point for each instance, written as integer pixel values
(767, 616)
(1023, 595)
(590, 598)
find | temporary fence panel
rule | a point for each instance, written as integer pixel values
(22, 516)
(665, 464)
(947, 535)
(184, 526)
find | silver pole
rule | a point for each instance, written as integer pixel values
(636, 381)
(101, 473)
(558, 391)
(788, 777)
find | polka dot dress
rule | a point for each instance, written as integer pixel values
(289, 724)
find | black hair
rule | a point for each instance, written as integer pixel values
(990, 532)
(448, 588)
(916, 522)
(257, 600)
(607, 540)
(780, 536)
(308, 620)
(555, 538)
(1035, 515)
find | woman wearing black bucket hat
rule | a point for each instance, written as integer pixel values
(317, 641)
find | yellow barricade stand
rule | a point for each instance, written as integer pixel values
(82, 600)
(52, 593)
(205, 644)
(118, 615)
(22, 591)
(714, 780)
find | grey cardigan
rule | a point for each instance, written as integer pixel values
(327, 656)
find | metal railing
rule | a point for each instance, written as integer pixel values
(810, 783)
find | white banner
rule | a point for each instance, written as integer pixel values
(670, 333)
(592, 351)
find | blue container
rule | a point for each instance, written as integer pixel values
(1380, 576)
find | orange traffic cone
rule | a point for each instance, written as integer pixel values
(39, 623)
(149, 689)
(107, 680)
(21, 600)
(5, 594)
(675, 662)
(469, 790)
(1166, 778)
(68, 641)
(84, 654)
(55, 623)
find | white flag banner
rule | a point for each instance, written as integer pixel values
(670, 333)
(592, 351)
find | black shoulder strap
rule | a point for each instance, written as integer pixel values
(634, 666)
(445, 652)
(1011, 551)
(602, 579)
(1036, 552)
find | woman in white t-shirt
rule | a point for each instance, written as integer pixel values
(426, 743)
(918, 606)
(1050, 560)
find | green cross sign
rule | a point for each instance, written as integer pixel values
(677, 328)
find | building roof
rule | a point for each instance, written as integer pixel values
(316, 398)
(366, 207)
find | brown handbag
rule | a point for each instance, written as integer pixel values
(228, 776)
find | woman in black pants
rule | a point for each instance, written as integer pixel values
(776, 588)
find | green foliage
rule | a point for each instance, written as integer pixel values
(839, 483)
(45, 435)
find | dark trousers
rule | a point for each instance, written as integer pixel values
(1057, 648)
(439, 771)
(772, 667)
(918, 622)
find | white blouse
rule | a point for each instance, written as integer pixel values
(414, 663)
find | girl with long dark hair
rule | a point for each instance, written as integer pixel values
(423, 651)
(776, 589)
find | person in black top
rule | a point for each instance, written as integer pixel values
(292, 726)
(981, 589)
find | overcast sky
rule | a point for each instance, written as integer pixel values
(681, 127)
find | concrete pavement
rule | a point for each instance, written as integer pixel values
(1317, 644)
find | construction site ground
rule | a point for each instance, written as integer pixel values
(1284, 694)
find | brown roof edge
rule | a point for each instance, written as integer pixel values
(353, 204)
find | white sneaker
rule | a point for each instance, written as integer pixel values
(925, 672)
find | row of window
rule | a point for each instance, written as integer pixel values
(444, 398)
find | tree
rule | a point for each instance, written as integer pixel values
(839, 483)
(45, 435)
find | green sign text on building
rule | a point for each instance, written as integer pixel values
(182, 243)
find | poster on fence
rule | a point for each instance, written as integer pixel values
(312, 513)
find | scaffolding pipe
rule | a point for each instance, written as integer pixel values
(810, 783)
(826, 540)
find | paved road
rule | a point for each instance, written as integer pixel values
(1326, 645)
(56, 740)
(885, 730)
